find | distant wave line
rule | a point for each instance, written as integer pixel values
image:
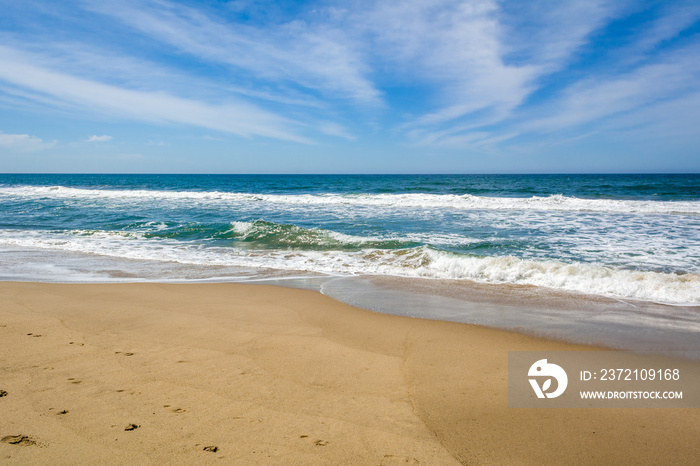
(556, 202)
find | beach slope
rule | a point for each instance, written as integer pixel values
(241, 374)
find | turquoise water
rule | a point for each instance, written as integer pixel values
(620, 236)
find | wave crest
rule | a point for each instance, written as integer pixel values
(556, 202)
(294, 251)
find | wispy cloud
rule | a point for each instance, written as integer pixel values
(477, 74)
(234, 117)
(675, 18)
(604, 102)
(115, 66)
(312, 56)
(478, 62)
(549, 34)
(95, 138)
(24, 142)
(499, 108)
(455, 47)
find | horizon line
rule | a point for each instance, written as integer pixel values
(347, 174)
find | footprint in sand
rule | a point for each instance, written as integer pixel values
(33, 335)
(211, 448)
(131, 427)
(3, 393)
(390, 460)
(125, 354)
(23, 440)
(321, 443)
(130, 392)
(65, 411)
(175, 410)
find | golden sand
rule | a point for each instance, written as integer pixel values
(251, 374)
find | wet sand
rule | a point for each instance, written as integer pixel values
(252, 374)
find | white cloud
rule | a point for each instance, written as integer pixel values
(456, 47)
(24, 142)
(490, 63)
(315, 57)
(479, 62)
(593, 100)
(548, 34)
(474, 67)
(676, 19)
(96, 138)
(235, 117)
(111, 66)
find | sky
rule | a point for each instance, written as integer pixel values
(427, 86)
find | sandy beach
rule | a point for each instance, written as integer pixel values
(252, 374)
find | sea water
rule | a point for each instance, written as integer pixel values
(632, 239)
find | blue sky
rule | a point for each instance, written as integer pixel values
(425, 86)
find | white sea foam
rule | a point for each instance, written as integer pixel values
(556, 202)
(241, 228)
(414, 262)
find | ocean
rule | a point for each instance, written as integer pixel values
(421, 245)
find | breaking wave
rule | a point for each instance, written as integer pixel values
(289, 247)
(555, 202)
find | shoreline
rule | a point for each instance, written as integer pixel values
(579, 318)
(268, 374)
